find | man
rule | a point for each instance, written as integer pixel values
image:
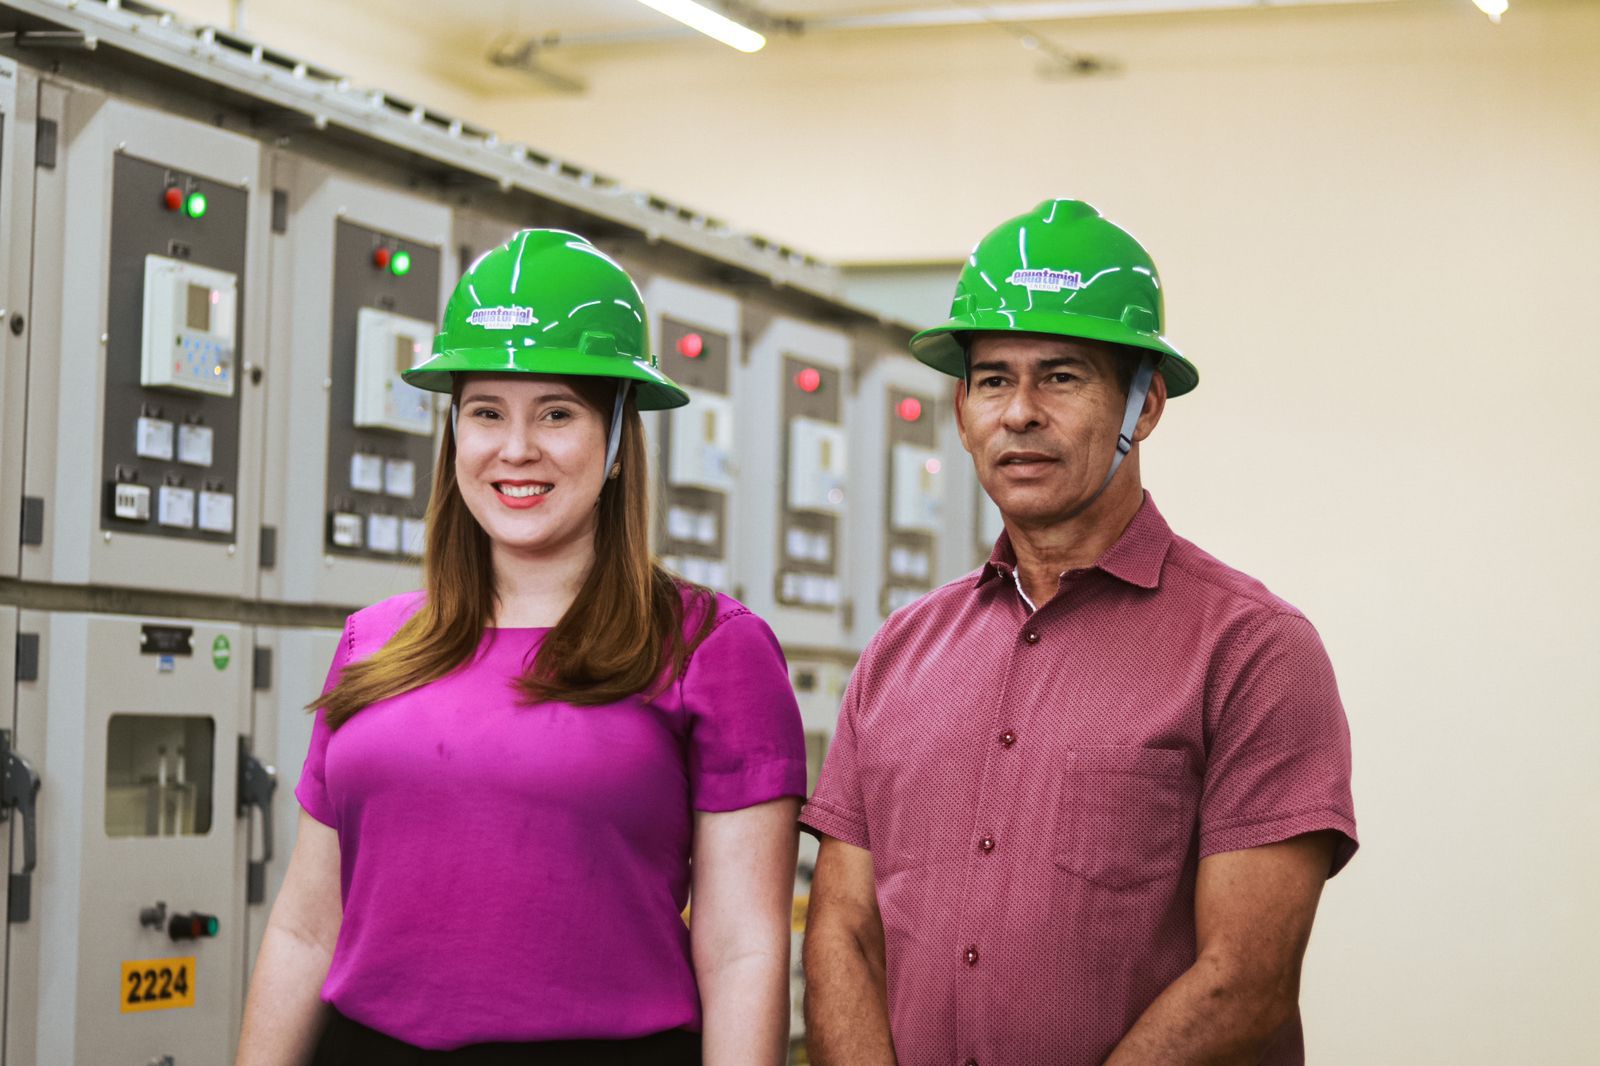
(1081, 804)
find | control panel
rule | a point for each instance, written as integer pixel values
(171, 432)
(380, 430)
(387, 345)
(915, 493)
(814, 468)
(698, 470)
(189, 317)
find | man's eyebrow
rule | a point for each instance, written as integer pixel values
(1043, 364)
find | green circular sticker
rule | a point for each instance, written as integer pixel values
(221, 652)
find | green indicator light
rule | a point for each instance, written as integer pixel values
(400, 264)
(211, 927)
(195, 206)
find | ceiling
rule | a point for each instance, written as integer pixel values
(580, 23)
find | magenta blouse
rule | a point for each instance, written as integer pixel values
(515, 873)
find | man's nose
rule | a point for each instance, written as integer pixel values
(1022, 411)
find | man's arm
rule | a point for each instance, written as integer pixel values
(847, 1000)
(1253, 914)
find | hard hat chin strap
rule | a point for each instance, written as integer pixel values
(615, 443)
(1137, 391)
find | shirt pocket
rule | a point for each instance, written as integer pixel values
(1126, 815)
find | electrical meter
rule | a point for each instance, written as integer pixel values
(917, 488)
(816, 466)
(189, 314)
(701, 454)
(386, 345)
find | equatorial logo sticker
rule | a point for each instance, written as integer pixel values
(1046, 280)
(502, 317)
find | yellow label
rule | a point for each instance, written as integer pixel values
(157, 984)
(797, 912)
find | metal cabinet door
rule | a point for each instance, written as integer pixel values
(140, 721)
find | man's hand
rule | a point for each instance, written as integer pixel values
(847, 1001)
(1253, 914)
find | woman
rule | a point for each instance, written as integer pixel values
(511, 771)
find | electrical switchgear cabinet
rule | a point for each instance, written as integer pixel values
(18, 100)
(143, 451)
(135, 945)
(358, 273)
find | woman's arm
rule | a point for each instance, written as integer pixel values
(284, 1016)
(739, 930)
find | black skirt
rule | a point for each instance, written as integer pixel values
(349, 1043)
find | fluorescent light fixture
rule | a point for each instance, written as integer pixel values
(1493, 8)
(716, 25)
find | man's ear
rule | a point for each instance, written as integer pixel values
(961, 423)
(1155, 402)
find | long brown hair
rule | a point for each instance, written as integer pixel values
(622, 635)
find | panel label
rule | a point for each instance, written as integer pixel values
(157, 984)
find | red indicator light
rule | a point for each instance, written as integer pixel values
(381, 258)
(690, 345)
(809, 379)
(909, 409)
(172, 199)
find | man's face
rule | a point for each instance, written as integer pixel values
(1040, 417)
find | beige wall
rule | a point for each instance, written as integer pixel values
(1379, 228)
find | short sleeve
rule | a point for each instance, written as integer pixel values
(312, 791)
(836, 809)
(1279, 759)
(746, 745)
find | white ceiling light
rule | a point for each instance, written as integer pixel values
(1493, 8)
(713, 24)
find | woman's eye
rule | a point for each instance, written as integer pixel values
(483, 413)
(558, 414)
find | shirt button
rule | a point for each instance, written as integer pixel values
(987, 844)
(972, 956)
(1031, 636)
(1007, 738)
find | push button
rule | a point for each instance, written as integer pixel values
(192, 926)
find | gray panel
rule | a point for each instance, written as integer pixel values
(824, 405)
(141, 226)
(709, 372)
(924, 434)
(357, 283)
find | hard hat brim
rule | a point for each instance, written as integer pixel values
(939, 348)
(653, 390)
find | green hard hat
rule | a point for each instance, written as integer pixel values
(1059, 269)
(547, 302)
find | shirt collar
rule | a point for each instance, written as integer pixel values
(1136, 557)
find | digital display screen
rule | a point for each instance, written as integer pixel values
(199, 311)
(404, 350)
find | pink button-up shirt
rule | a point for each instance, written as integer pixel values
(1037, 789)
